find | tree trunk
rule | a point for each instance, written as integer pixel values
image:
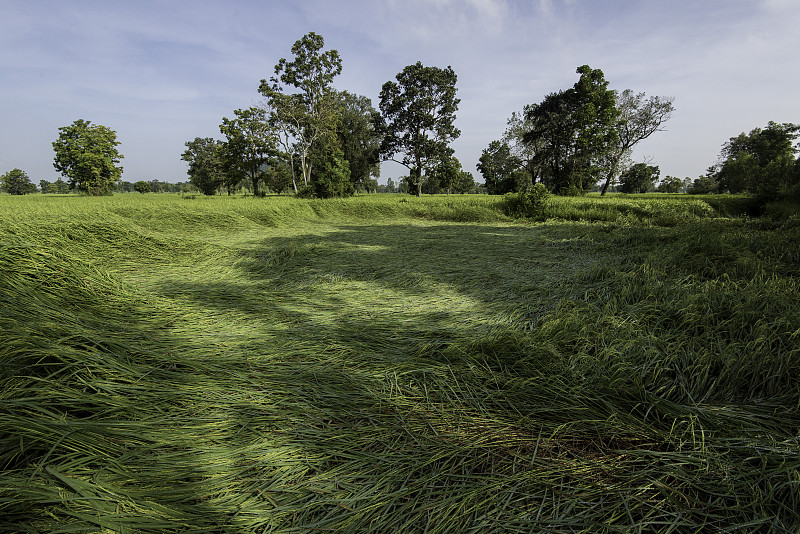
(605, 186)
(418, 173)
(611, 172)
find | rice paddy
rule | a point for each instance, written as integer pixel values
(392, 364)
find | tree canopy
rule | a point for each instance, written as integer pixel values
(449, 177)
(87, 155)
(306, 117)
(335, 140)
(502, 171)
(206, 166)
(639, 118)
(640, 178)
(761, 162)
(17, 182)
(142, 187)
(359, 138)
(570, 131)
(417, 113)
(250, 144)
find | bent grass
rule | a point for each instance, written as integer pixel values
(368, 364)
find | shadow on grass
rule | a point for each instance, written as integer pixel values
(362, 379)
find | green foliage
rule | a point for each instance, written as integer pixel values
(529, 204)
(703, 185)
(448, 177)
(307, 117)
(17, 182)
(278, 177)
(670, 184)
(417, 114)
(570, 131)
(358, 138)
(87, 155)
(142, 187)
(639, 118)
(640, 178)
(761, 162)
(59, 187)
(500, 169)
(331, 176)
(206, 164)
(250, 145)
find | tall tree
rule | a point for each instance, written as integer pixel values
(250, 144)
(514, 136)
(17, 182)
(639, 118)
(417, 118)
(87, 155)
(570, 131)
(307, 116)
(206, 164)
(359, 138)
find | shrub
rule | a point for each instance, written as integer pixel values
(527, 204)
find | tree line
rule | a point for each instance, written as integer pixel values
(313, 140)
(310, 139)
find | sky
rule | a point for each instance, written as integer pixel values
(161, 73)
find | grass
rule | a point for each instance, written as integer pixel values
(393, 364)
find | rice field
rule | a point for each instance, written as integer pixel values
(392, 364)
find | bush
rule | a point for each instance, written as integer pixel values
(527, 204)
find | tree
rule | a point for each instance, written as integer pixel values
(417, 114)
(640, 178)
(308, 116)
(514, 137)
(704, 184)
(87, 155)
(16, 182)
(58, 187)
(639, 118)
(331, 176)
(670, 184)
(250, 145)
(570, 132)
(206, 167)
(450, 177)
(142, 187)
(501, 170)
(278, 177)
(760, 162)
(359, 138)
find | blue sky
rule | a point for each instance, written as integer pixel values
(161, 73)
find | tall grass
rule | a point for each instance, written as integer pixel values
(391, 364)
